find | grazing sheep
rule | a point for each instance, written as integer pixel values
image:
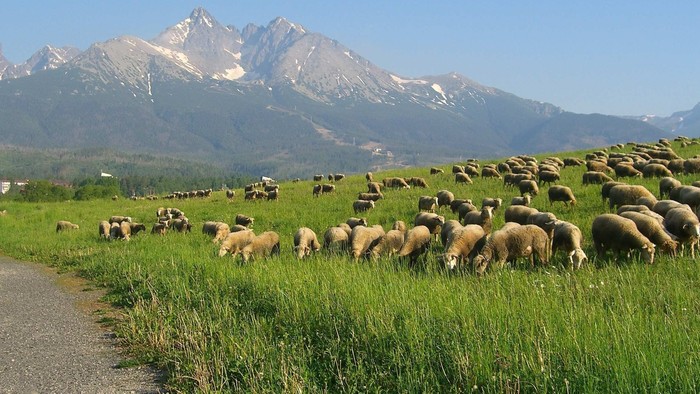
(605, 189)
(234, 242)
(648, 202)
(483, 218)
(181, 225)
(666, 184)
(684, 224)
(305, 242)
(251, 195)
(273, 195)
(624, 170)
(395, 182)
(103, 229)
(159, 228)
(561, 193)
(632, 208)
(416, 182)
(573, 162)
(488, 172)
(427, 203)
(519, 213)
(514, 179)
(508, 245)
(676, 165)
(374, 187)
(318, 177)
(653, 230)
(690, 195)
(663, 206)
(62, 225)
(464, 208)
(654, 170)
(390, 243)
(125, 231)
(528, 186)
(691, 166)
(471, 169)
(417, 241)
(461, 177)
(462, 243)
(454, 205)
(336, 238)
(435, 170)
(521, 200)
(369, 177)
(217, 229)
(263, 245)
(621, 235)
(271, 188)
(627, 195)
(119, 219)
(230, 194)
(364, 239)
(354, 222)
(237, 227)
(447, 229)
(548, 177)
(568, 238)
(491, 202)
(599, 166)
(456, 169)
(326, 188)
(545, 221)
(362, 205)
(244, 220)
(399, 225)
(595, 177)
(445, 198)
(370, 196)
(430, 220)
(115, 231)
(318, 190)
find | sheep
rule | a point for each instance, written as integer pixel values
(115, 231)
(491, 202)
(364, 239)
(271, 188)
(362, 205)
(462, 243)
(663, 206)
(370, 196)
(251, 195)
(519, 213)
(369, 176)
(335, 238)
(621, 235)
(488, 172)
(508, 245)
(445, 198)
(427, 203)
(666, 184)
(653, 230)
(483, 218)
(318, 190)
(676, 165)
(244, 220)
(318, 177)
(691, 166)
(548, 177)
(62, 225)
(461, 177)
(374, 187)
(354, 222)
(125, 231)
(514, 179)
(435, 171)
(456, 169)
(230, 194)
(416, 182)
(690, 195)
(572, 162)
(305, 242)
(103, 229)
(528, 186)
(464, 209)
(599, 166)
(648, 202)
(654, 170)
(454, 205)
(595, 177)
(416, 243)
(234, 242)
(524, 200)
(471, 170)
(430, 220)
(627, 195)
(503, 167)
(218, 229)
(119, 219)
(624, 170)
(273, 195)
(238, 227)
(684, 224)
(181, 225)
(263, 245)
(568, 237)
(395, 182)
(561, 193)
(605, 189)
(447, 229)
(390, 243)
(158, 228)
(545, 221)
(327, 188)
(399, 225)
(632, 208)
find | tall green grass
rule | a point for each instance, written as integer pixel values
(328, 324)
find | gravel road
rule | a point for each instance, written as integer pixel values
(50, 342)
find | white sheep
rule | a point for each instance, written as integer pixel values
(461, 244)
(63, 225)
(568, 237)
(305, 242)
(336, 238)
(362, 205)
(364, 239)
(683, 223)
(427, 203)
(103, 229)
(512, 243)
(263, 245)
(217, 229)
(235, 242)
(416, 243)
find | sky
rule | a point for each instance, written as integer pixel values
(613, 57)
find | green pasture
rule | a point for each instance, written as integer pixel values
(329, 324)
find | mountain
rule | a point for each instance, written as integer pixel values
(682, 122)
(47, 58)
(278, 100)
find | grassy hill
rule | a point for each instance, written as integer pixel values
(331, 324)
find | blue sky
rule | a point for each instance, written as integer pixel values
(612, 57)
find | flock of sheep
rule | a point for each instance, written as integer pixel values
(642, 223)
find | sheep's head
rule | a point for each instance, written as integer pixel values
(578, 257)
(450, 260)
(648, 253)
(670, 247)
(480, 264)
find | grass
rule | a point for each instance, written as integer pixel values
(328, 324)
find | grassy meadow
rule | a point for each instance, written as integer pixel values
(329, 324)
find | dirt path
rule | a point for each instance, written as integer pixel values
(50, 341)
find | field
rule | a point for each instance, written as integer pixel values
(329, 324)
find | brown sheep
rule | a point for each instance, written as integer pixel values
(354, 222)
(519, 213)
(684, 224)
(568, 238)
(417, 241)
(218, 229)
(461, 177)
(369, 177)
(370, 196)
(605, 189)
(488, 172)
(621, 235)
(374, 187)
(362, 205)
(390, 243)
(595, 177)
(653, 230)
(508, 245)
(244, 220)
(624, 170)
(561, 193)
(627, 195)
(445, 198)
(395, 182)
(435, 171)
(63, 225)
(462, 243)
(431, 220)
(104, 229)
(548, 177)
(529, 187)
(454, 205)
(666, 184)
(464, 209)
(364, 239)
(654, 170)
(263, 245)
(663, 206)
(416, 182)
(234, 242)
(447, 229)
(483, 218)
(521, 200)
(336, 238)
(427, 203)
